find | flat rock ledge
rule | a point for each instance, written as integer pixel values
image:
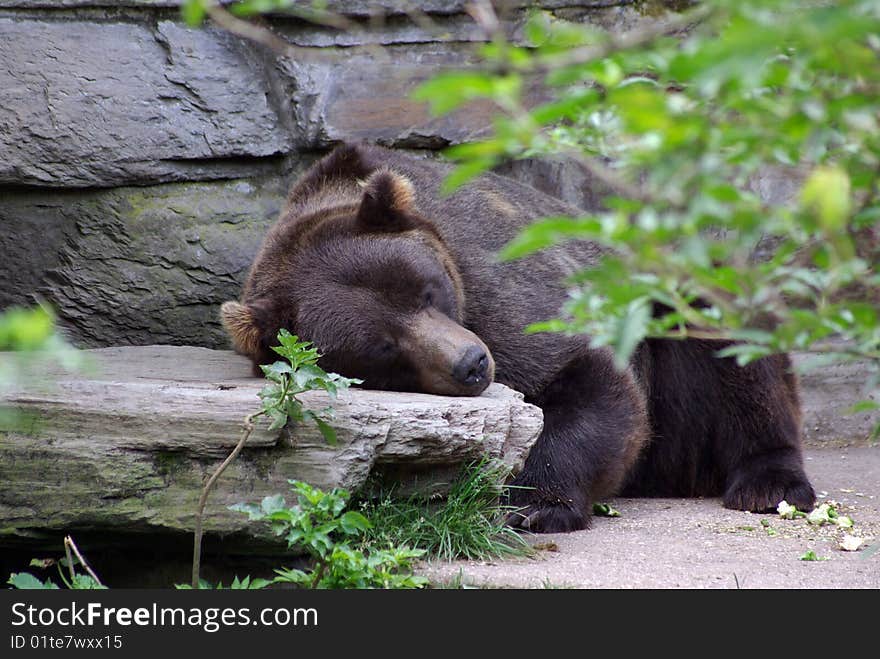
(127, 446)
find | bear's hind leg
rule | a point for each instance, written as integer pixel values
(767, 466)
(595, 423)
(722, 429)
(761, 481)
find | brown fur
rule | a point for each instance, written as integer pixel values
(239, 323)
(400, 286)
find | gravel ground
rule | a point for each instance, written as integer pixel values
(696, 543)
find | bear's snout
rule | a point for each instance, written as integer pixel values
(450, 360)
(473, 367)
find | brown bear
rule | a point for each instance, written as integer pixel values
(401, 287)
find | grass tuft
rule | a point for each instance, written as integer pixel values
(468, 524)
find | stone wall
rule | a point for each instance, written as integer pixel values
(141, 161)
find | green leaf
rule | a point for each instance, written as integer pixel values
(252, 510)
(270, 395)
(321, 544)
(569, 107)
(26, 329)
(295, 411)
(752, 335)
(537, 28)
(553, 325)
(465, 172)
(275, 370)
(294, 537)
(273, 504)
(631, 328)
(26, 581)
(447, 91)
(193, 12)
(295, 351)
(642, 107)
(259, 584)
(279, 419)
(811, 555)
(309, 376)
(863, 406)
(604, 510)
(823, 514)
(203, 585)
(292, 576)
(827, 193)
(354, 523)
(327, 431)
(744, 353)
(787, 511)
(85, 582)
(548, 232)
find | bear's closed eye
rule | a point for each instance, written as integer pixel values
(386, 347)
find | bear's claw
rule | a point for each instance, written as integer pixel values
(761, 492)
(547, 518)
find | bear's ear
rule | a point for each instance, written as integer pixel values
(346, 162)
(239, 321)
(387, 201)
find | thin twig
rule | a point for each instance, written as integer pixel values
(326, 18)
(70, 544)
(422, 19)
(625, 41)
(319, 574)
(618, 184)
(69, 559)
(248, 428)
(248, 30)
(821, 349)
(281, 47)
(693, 333)
(484, 15)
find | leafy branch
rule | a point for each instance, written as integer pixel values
(319, 524)
(681, 119)
(76, 581)
(297, 374)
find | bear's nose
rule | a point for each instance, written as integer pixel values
(473, 366)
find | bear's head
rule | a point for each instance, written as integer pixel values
(371, 283)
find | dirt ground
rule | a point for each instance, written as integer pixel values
(696, 543)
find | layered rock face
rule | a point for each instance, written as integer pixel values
(141, 161)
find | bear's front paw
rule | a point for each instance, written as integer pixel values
(760, 491)
(548, 519)
(530, 511)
